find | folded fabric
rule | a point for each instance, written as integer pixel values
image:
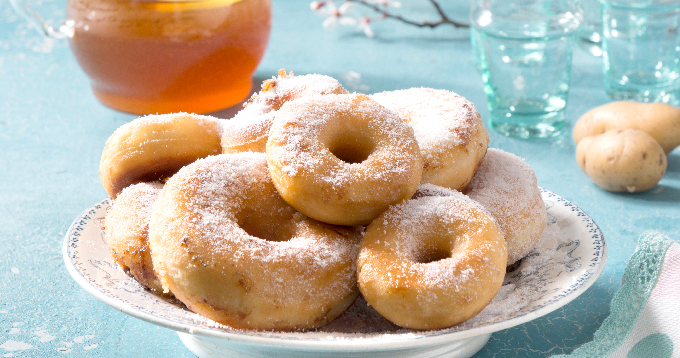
(645, 312)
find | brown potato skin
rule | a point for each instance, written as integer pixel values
(626, 160)
(659, 120)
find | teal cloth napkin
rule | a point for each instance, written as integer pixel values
(645, 312)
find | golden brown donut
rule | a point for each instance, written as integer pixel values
(506, 186)
(342, 159)
(126, 228)
(154, 147)
(431, 262)
(449, 130)
(225, 244)
(248, 130)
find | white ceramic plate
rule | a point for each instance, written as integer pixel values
(568, 260)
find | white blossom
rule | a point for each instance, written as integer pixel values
(364, 25)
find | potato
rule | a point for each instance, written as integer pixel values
(625, 160)
(660, 120)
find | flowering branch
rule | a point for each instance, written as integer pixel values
(339, 14)
(382, 9)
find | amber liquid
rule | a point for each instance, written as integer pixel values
(150, 57)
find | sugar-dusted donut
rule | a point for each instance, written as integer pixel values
(225, 244)
(507, 187)
(449, 130)
(154, 147)
(126, 228)
(248, 130)
(342, 159)
(431, 262)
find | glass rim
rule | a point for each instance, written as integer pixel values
(654, 5)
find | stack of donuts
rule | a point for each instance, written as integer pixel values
(278, 218)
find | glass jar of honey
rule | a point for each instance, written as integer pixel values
(168, 56)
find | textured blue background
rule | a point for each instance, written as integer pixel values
(52, 131)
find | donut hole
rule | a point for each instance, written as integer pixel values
(352, 147)
(264, 225)
(432, 254)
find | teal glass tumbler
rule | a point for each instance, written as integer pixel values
(525, 48)
(641, 48)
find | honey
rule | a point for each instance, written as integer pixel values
(149, 57)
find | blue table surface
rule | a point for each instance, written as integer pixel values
(52, 131)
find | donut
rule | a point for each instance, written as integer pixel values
(126, 229)
(154, 147)
(248, 130)
(342, 159)
(449, 130)
(431, 262)
(507, 187)
(225, 244)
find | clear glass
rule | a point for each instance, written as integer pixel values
(642, 50)
(591, 30)
(525, 49)
(148, 57)
(476, 51)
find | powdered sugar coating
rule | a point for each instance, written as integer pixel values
(220, 184)
(248, 130)
(306, 121)
(439, 118)
(307, 168)
(431, 262)
(507, 186)
(142, 196)
(416, 217)
(220, 220)
(449, 130)
(286, 87)
(126, 226)
(433, 190)
(549, 266)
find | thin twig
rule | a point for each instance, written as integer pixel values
(386, 14)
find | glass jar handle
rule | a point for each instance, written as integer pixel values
(64, 31)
